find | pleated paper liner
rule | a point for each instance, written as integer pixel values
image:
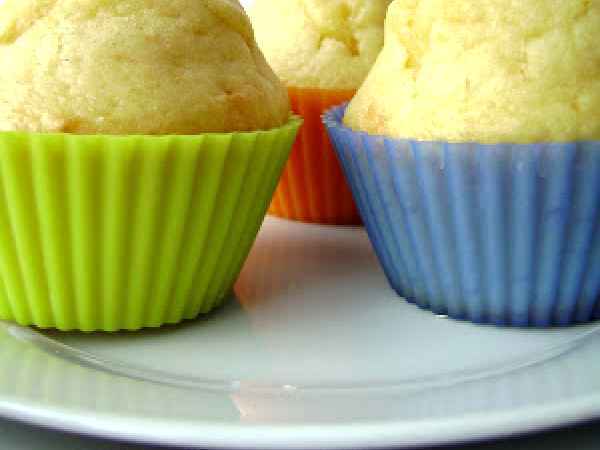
(313, 187)
(503, 234)
(109, 233)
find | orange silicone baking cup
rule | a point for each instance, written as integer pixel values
(313, 187)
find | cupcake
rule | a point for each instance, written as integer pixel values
(322, 50)
(139, 150)
(473, 152)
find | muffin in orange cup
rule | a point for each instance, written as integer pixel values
(322, 51)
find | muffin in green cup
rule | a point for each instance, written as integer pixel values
(139, 150)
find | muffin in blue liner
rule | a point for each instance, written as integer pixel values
(507, 234)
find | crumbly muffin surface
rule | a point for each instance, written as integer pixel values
(328, 44)
(485, 71)
(134, 67)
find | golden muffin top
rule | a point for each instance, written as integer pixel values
(327, 44)
(134, 67)
(486, 71)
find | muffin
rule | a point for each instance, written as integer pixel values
(322, 51)
(139, 150)
(473, 151)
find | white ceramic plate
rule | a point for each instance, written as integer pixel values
(315, 351)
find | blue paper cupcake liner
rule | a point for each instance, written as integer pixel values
(507, 234)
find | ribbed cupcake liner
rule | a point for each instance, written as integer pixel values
(313, 187)
(109, 232)
(504, 234)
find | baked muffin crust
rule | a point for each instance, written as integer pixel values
(328, 44)
(486, 71)
(134, 67)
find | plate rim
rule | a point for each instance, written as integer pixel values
(468, 428)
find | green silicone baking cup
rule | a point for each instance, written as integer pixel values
(125, 232)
